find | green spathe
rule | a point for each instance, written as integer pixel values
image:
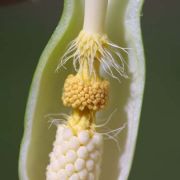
(123, 28)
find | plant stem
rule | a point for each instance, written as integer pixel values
(95, 14)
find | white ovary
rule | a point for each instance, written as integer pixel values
(79, 164)
(83, 174)
(52, 175)
(90, 165)
(75, 156)
(74, 143)
(70, 169)
(82, 152)
(95, 155)
(91, 146)
(97, 139)
(74, 177)
(83, 137)
(71, 156)
(62, 174)
(67, 134)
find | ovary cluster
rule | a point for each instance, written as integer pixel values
(75, 157)
(92, 95)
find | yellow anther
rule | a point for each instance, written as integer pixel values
(92, 95)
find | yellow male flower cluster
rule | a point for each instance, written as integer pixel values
(79, 94)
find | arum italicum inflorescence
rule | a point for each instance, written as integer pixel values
(98, 63)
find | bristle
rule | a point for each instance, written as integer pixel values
(92, 47)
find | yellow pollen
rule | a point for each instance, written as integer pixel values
(79, 94)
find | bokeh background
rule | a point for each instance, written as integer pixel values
(25, 28)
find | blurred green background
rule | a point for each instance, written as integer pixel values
(24, 31)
